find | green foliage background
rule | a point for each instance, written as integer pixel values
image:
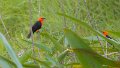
(53, 45)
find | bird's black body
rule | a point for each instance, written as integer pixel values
(35, 27)
(108, 36)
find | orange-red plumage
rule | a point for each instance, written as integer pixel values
(105, 33)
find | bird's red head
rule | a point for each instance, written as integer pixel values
(105, 33)
(41, 19)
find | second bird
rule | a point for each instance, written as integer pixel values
(36, 26)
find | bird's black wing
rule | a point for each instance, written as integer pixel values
(36, 26)
(108, 36)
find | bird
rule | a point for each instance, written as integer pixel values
(35, 28)
(105, 33)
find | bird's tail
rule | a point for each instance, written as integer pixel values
(108, 36)
(29, 35)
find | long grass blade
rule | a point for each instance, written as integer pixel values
(85, 54)
(11, 51)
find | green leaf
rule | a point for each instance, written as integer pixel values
(46, 64)
(10, 51)
(115, 33)
(25, 56)
(6, 63)
(31, 66)
(54, 62)
(87, 57)
(71, 64)
(40, 45)
(85, 25)
(76, 20)
(93, 38)
(56, 46)
(62, 55)
(51, 60)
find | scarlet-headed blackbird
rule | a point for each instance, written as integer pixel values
(36, 26)
(105, 33)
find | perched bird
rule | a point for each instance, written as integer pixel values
(105, 33)
(36, 26)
